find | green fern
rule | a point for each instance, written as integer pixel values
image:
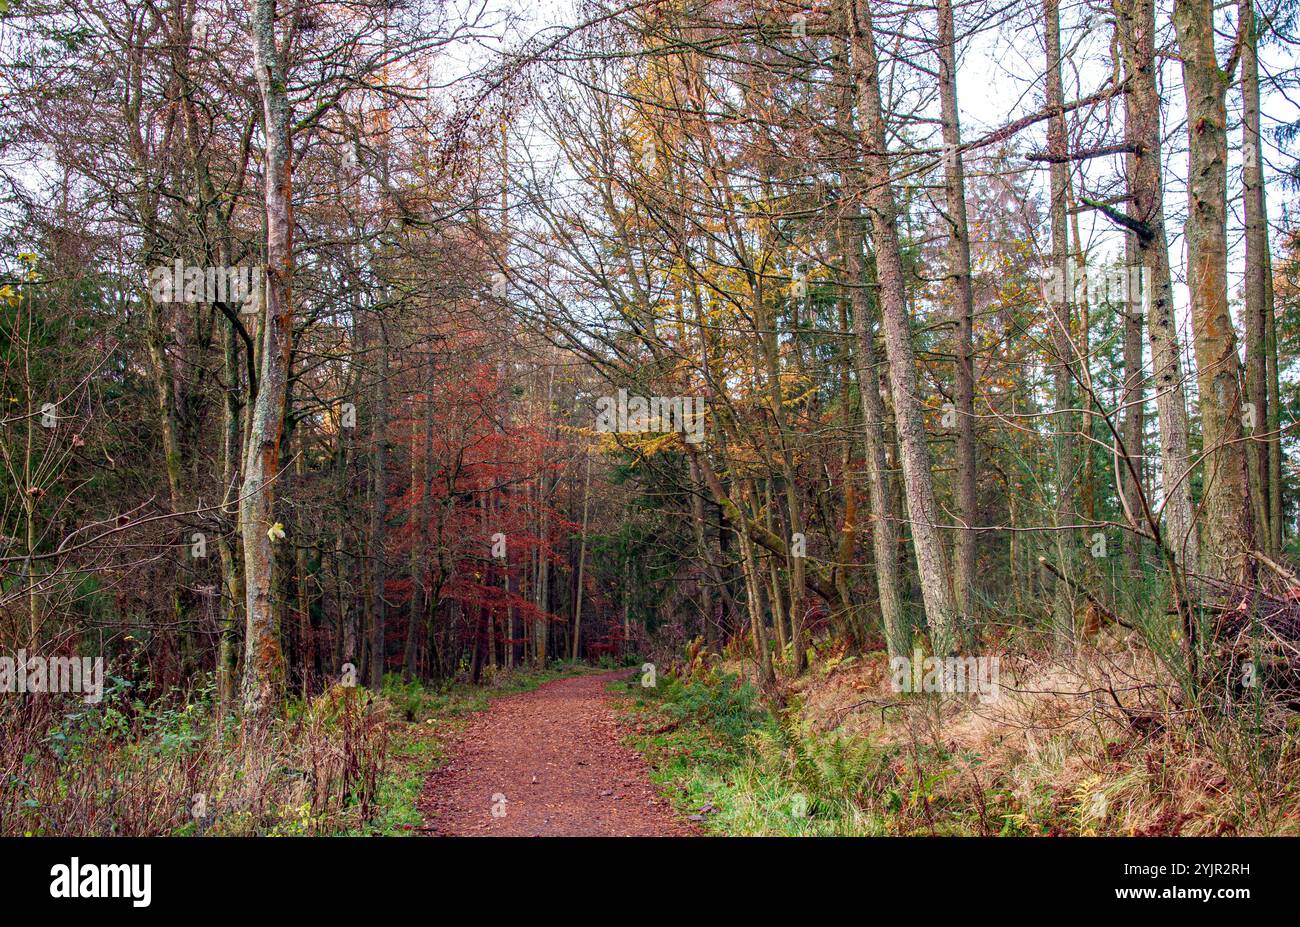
(829, 770)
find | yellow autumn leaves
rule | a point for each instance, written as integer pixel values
(8, 293)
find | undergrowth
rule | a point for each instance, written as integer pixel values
(734, 766)
(145, 764)
(139, 766)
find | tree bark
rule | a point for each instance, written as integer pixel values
(582, 563)
(379, 513)
(1142, 130)
(1258, 303)
(1218, 368)
(963, 309)
(1132, 397)
(879, 199)
(1063, 417)
(263, 661)
(884, 533)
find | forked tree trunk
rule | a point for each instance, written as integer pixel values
(884, 531)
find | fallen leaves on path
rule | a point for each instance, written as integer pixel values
(547, 763)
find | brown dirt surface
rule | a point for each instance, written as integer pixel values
(547, 763)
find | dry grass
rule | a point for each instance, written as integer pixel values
(1101, 744)
(122, 769)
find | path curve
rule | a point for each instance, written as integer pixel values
(547, 763)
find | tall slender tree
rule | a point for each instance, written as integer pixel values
(963, 309)
(1142, 133)
(1065, 357)
(931, 560)
(1226, 538)
(263, 660)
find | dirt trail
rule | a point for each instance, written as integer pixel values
(547, 763)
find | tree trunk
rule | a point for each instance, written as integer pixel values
(227, 648)
(1062, 346)
(879, 199)
(379, 513)
(1218, 368)
(754, 598)
(582, 563)
(963, 308)
(263, 661)
(1258, 304)
(1146, 187)
(306, 633)
(712, 577)
(420, 591)
(1133, 427)
(541, 628)
(884, 533)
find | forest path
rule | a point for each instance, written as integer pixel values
(547, 763)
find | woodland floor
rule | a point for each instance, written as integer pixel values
(556, 757)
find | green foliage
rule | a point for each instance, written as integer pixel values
(837, 774)
(727, 760)
(730, 707)
(737, 768)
